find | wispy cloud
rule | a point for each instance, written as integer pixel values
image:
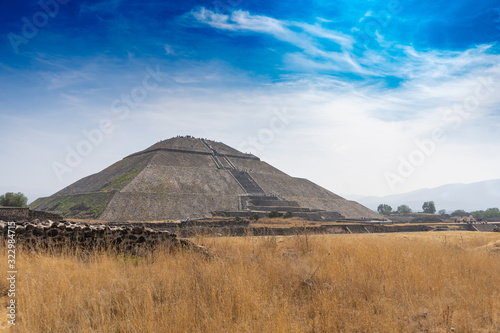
(392, 59)
(306, 37)
(356, 108)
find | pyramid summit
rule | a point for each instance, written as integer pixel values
(191, 177)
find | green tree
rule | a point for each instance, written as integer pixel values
(11, 199)
(442, 212)
(429, 207)
(403, 209)
(486, 214)
(492, 212)
(478, 214)
(459, 213)
(288, 214)
(384, 209)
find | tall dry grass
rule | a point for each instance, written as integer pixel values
(428, 282)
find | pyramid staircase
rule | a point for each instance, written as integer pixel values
(484, 227)
(243, 178)
(217, 162)
(247, 182)
(256, 201)
(263, 204)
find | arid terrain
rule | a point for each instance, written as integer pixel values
(402, 282)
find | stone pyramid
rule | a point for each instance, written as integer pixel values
(186, 177)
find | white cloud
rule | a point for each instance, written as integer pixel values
(169, 49)
(345, 135)
(392, 60)
(337, 138)
(307, 40)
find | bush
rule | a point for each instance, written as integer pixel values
(288, 214)
(237, 218)
(255, 217)
(274, 214)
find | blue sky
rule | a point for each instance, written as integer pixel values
(371, 97)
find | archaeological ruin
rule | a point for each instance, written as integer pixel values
(185, 178)
(38, 234)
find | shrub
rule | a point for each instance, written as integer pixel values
(274, 214)
(255, 217)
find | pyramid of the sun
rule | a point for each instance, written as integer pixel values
(188, 177)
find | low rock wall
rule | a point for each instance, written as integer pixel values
(135, 236)
(14, 213)
(43, 215)
(26, 214)
(36, 234)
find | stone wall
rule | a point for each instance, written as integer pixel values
(86, 236)
(23, 214)
(241, 228)
(14, 213)
(43, 215)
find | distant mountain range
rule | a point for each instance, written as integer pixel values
(469, 197)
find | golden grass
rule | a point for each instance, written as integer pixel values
(280, 222)
(420, 282)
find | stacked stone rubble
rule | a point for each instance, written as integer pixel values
(37, 234)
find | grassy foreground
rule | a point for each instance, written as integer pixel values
(423, 282)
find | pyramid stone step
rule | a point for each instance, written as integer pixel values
(246, 181)
(278, 203)
(281, 209)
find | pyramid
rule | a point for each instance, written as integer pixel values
(187, 177)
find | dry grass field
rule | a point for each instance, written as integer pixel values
(419, 282)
